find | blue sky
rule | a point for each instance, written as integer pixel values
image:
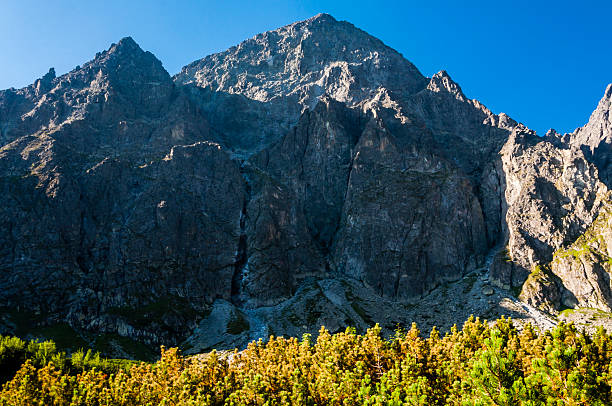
(545, 63)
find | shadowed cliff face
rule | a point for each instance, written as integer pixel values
(114, 199)
(302, 162)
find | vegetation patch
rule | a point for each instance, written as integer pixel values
(362, 313)
(505, 254)
(24, 320)
(155, 311)
(64, 336)
(109, 344)
(481, 364)
(290, 315)
(237, 323)
(591, 242)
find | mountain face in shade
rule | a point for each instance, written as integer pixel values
(309, 175)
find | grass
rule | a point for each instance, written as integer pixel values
(24, 320)
(28, 323)
(107, 343)
(144, 315)
(587, 310)
(591, 242)
(505, 255)
(64, 336)
(566, 312)
(237, 323)
(311, 304)
(289, 315)
(362, 313)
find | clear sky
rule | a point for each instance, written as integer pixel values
(545, 63)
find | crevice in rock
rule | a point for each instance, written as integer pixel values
(355, 132)
(400, 264)
(241, 262)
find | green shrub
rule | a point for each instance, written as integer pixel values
(481, 364)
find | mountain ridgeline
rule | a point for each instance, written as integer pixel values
(309, 175)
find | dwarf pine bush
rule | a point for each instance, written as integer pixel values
(480, 364)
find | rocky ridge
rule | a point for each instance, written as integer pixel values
(288, 182)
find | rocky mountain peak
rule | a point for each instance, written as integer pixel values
(44, 84)
(126, 44)
(604, 105)
(552, 133)
(126, 57)
(49, 75)
(608, 92)
(442, 81)
(321, 18)
(300, 61)
(125, 49)
(601, 116)
(595, 138)
(121, 82)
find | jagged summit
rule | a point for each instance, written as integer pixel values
(595, 137)
(603, 107)
(323, 18)
(126, 42)
(49, 75)
(127, 55)
(125, 49)
(126, 45)
(304, 60)
(120, 82)
(608, 92)
(442, 81)
(284, 72)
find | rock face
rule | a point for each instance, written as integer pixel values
(409, 221)
(579, 275)
(567, 262)
(114, 200)
(262, 188)
(273, 77)
(551, 195)
(595, 138)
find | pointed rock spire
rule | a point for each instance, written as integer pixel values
(595, 138)
(442, 81)
(322, 18)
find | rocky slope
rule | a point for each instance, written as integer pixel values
(595, 138)
(113, 200)
(551, 195)
(575, 270)
(579, 275)
(288, 182)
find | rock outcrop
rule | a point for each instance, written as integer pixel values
(551, 196)
(113, 200)
(579, 275)
(595, 138)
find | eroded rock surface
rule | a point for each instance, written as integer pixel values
(551, 196)
(595, 138)
(579, 275)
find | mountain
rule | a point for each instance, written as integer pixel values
(288, 182)
(595, 138)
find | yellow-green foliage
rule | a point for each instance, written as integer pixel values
(592, 241)
(478, 365)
